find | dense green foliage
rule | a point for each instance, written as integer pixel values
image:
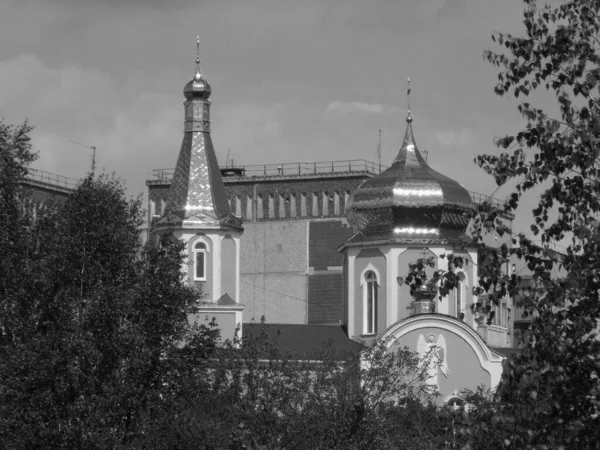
(549, 395)
(90, 320)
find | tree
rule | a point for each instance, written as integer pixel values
(548, 396)
(92, 322)
(256, 397)
(550, 392)
(16, 231)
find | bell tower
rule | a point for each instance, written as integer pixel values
(197, 211)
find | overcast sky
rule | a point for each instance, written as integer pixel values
(309, 80)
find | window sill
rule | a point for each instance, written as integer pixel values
(496, 327)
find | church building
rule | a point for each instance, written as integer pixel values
(406, 212)
(319, 251)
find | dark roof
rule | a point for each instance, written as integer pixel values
(310, 342)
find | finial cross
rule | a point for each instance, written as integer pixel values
(198, 73)
(408, 94)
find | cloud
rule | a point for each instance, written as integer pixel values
(133, 130)
(461, 137)
(252, 131)
(452, 8)
(357, 108)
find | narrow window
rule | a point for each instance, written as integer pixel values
(259, 207)
(281, 207)
(238, 206)
(293, 205)
(303, 205)
(249, 203)
(503, 313)
(200, 262)
(371, 303)
(315, 205)
(336, 203)
(459, 302)
(271, 207)
(325, 204)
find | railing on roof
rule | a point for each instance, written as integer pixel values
(296, 168)
(42, 176)
(480, 198)
(163, 174)
(307, 168)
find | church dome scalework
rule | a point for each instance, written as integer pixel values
(410, 198)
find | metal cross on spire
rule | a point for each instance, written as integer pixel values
(198, 73)
(408, 91)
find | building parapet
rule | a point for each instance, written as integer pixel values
(302, 171)
(297, 170)
(52, 181)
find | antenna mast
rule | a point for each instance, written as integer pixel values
(378, 151)
(91, 147)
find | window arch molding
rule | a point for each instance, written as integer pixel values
(200, 247)
(370, 281)
(372, 268)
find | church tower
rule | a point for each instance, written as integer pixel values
(197, 210)
(407, 212)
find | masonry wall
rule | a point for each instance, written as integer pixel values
(325, 281)
(273, 271)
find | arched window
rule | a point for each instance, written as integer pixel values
(200, 262)
(459, 295)
(371, 293)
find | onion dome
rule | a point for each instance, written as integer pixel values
(409, 198)
(197, 87)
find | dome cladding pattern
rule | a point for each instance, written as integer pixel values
(409, 195)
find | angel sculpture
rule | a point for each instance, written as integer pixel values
(433, 355)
